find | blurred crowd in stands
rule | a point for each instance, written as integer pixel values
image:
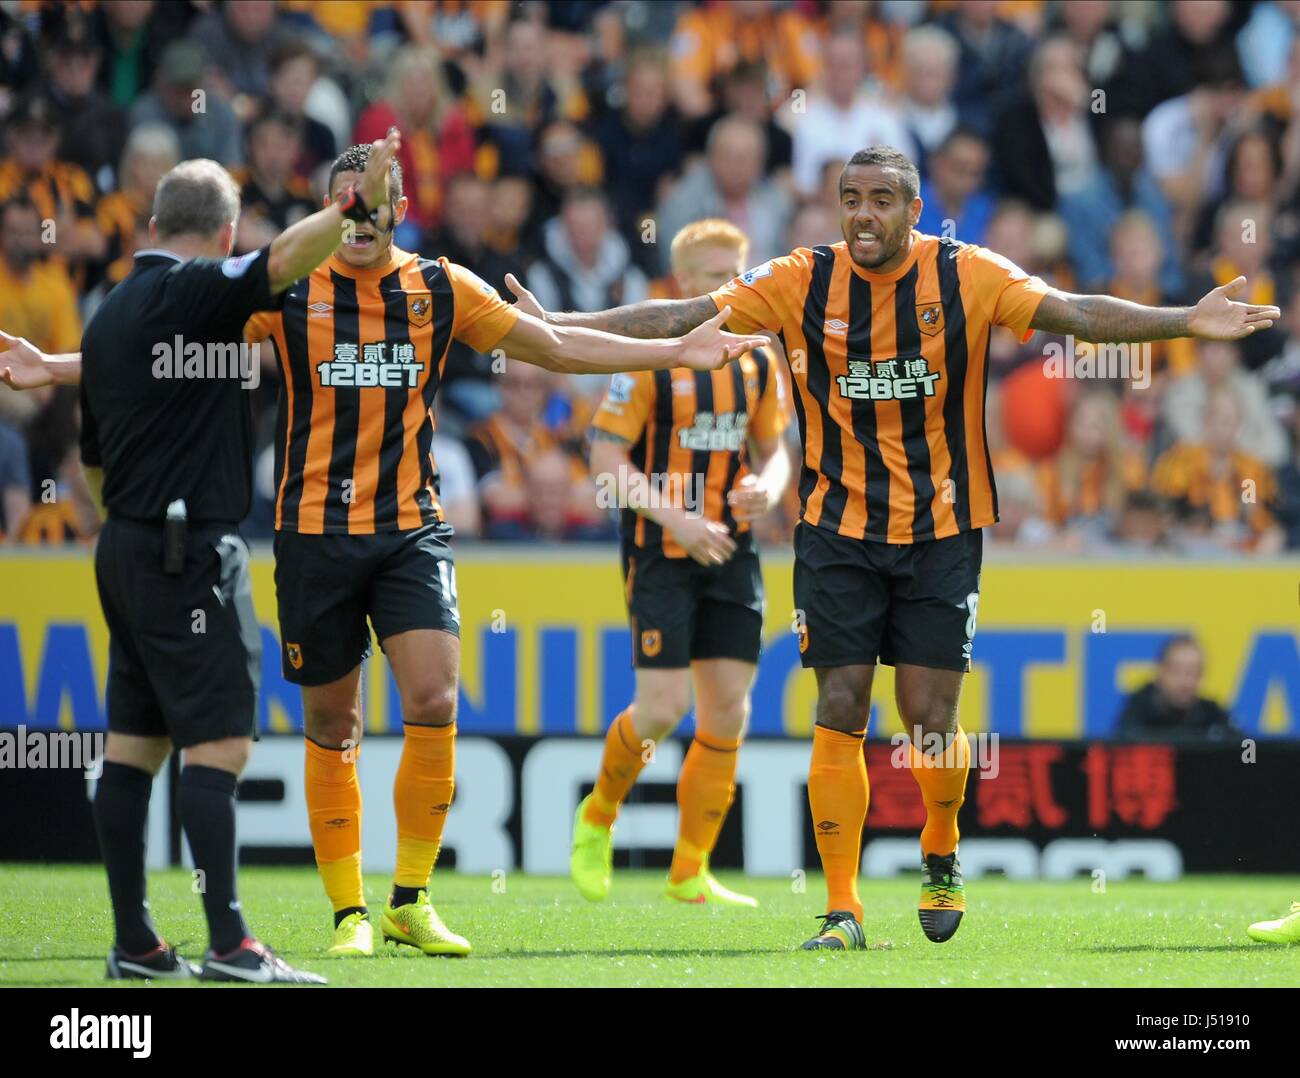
(1148, 150)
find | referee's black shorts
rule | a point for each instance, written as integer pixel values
(681, 610)
(185, 651)
(326, 586)
(865, 602)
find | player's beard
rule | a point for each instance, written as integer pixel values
(890, 244)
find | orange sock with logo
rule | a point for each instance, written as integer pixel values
(838, 795)
(942, 778)
(620, 765)
(334, 816)
(422, 795)
(705, 789)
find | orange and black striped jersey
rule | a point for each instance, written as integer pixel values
(1186, 474)
(689, 432)
(890, 371)
(361, 353)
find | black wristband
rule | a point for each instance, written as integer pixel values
(352, 206)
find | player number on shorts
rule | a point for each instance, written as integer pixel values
(972, 604)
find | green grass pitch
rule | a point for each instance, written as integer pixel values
(529, 931)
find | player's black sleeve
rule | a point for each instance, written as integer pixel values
(225, 291)
(89, 437)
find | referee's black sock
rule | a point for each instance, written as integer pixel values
(121, 812)
(207, 805)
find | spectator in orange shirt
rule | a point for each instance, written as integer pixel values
(1216, 479)
(709, 41)
(61, 192)
(1084, 485)
(123, 215)
(437, 141)
(37, 298)
(503, 444)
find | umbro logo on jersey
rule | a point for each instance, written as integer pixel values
(320, 309)
(835, 325)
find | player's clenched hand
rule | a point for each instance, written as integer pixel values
(750, 499)
(22, 364)
(373, 187)
(524, 300)
(1218, 318)
(707, 541)
(708, 346)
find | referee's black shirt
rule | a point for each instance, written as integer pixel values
(162, 438)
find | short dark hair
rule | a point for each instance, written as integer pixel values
(888, 157)
(355, 158)
(289, 50)
(1178, 640)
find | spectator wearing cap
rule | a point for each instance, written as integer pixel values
(955, 199)
(842, 112)
(91, 128)
(729, 183)
(203, 122)
(437, 141)
(272, 196)
(123, 215)
(1170, 708)
(1122, 183)
(61, 192)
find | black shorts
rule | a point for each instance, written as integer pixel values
(185, 651)
(681, 610)
(865, 602)
(327, 585)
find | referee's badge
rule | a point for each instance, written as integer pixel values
(295, 655)
(419, 308)
(652, 643)
(929, 318)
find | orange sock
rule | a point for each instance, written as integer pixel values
(421, 797)
(620, 765)
(942, 778)
(334, 815)
(705, 789)
(838, 795)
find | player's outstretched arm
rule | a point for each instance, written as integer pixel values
(1100, 319)
(573, 350)
(647, 320)
(24, 366)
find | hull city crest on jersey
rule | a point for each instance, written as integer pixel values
(929, 318)
(419, 309)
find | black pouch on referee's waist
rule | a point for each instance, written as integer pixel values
(175, 536)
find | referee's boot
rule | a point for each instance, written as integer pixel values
(255, 963)
(160, 964)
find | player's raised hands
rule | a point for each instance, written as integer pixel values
(22, 364)
(373, 187)
(1218, 317)
(708, 346)
(524, 300)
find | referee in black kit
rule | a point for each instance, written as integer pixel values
(167, 445)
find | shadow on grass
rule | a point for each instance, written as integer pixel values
(642, 952)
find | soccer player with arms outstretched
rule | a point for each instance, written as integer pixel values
(361, 344)
(694, 457)
(887, 334)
